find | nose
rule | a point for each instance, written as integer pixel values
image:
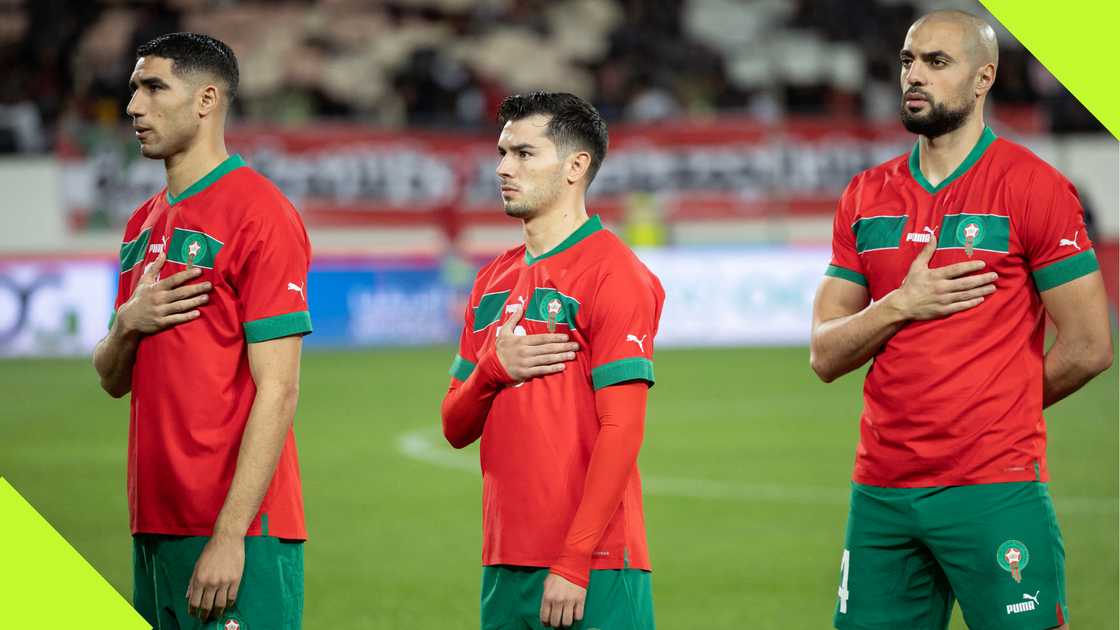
(914, 75)
(504, 168)
(133, 108)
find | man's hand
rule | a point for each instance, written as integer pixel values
(562, 603)
(159, 304)
(217, 576)
(526, 356)
(932, 293)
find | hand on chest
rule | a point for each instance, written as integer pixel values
(185, 243)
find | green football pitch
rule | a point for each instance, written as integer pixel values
(746, 465)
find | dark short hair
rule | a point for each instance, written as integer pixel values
(574, 123)
(192, 52)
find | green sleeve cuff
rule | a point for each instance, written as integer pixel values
(845, 274)
(286, 325)
(1065, 270)
(632, 369)
(461, 368)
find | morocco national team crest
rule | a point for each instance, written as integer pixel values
(1013, 557)
(550, 308)
(554, 307)
(194, 248)
(233, 624)
(970, 234)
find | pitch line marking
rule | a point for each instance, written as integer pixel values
(420, 445)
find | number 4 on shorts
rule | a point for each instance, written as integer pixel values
(842, 592)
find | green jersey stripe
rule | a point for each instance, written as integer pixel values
(1067, 269)
(286, 325)
(461, 368)
(185, 242)
(632, 369)
(845, 274)
(874, 233)
(489, 309)
(132, 252)
(988, 232)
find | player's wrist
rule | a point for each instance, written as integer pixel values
(493, 371)
(894, 307)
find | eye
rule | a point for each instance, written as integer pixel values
(937, 63)
(906, 62)
(524, 154)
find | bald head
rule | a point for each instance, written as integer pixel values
(977, 37)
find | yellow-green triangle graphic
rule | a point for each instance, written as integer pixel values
(1074, 40)
(45, 583)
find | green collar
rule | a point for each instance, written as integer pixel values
(589, 227)
(231, 163)
(986, 139)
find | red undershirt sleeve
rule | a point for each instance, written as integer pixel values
(467, 403)
(622, 412)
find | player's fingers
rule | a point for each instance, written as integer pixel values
(511, 321)
(549, 359)
(957, 307)
(551, 348)
(960, 269)
(579, 610)
(544, 370)
(922, 260)
(177, 318)
(231, 596)
(569, 612)
(971, 294)
(557, 614)
(546, 611)
(185, 305)
(971, 282)
(152, 269)
(194, 596)
(220, 603)
(543, 338)
(174, 280)
(188, 291)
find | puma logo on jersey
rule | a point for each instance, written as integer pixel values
(298, 289)
(925, 236)
(1030, 603)
(158, 248)
(637, 341)
(1065, 241)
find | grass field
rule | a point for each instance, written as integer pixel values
(747, 460)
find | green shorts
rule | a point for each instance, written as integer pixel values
(270, 596)
(909, 552)
(617, 599)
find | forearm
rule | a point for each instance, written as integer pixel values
(467, 404)
(113, 358)
(613, 460)
(1070, 364)
(841, 345)
(270, 419)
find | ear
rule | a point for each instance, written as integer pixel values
(577, 166)
(985, 77)
(209, 100)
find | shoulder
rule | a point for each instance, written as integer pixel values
(1022, 166)
(614, 259)
(261, 197)
(140, 214)
(491, 270)
(879, 176)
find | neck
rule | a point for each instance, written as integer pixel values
(548, 229)
(191, 165)
(939, 157)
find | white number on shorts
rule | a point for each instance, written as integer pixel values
(842, 593)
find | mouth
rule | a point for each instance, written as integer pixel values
(509, 190)
(915, 100)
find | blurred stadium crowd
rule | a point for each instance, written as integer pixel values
(447, 63)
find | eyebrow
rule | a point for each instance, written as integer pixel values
(146, 82)
(933, 54)
(517, 147)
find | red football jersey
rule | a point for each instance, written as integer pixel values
(958, 400)
(538, 437)
(191, 386)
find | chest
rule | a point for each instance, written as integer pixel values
(967, 223)
(185, 237)
(553, 299)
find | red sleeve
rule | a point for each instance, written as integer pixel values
(474, 383)
(623, 323)
(845, 259)
(269, 273)
(614, 458)
(134, 247)
(467, 403)
(1053, 234)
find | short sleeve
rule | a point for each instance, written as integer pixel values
(467, 357)
(622, 325)
(270, 274)
(1053, 234)
(845, 261)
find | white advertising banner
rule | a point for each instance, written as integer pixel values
(54, 307)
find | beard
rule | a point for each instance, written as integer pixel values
(938, 121)
(519, 210)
